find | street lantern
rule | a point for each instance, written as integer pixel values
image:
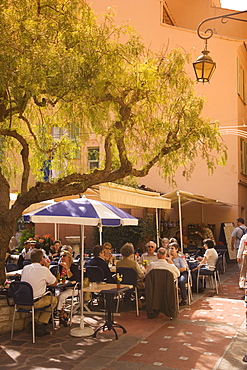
(204, 66)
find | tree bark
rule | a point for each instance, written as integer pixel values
(6, 232)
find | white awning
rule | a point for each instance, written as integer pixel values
(186, 196)
(121, 194)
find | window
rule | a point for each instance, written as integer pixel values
(166, 16)
(93, 158)
(241, 82)
(243, 156)
(73, 133)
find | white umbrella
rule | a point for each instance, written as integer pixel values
(81, 212)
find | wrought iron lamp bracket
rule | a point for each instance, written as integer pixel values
(208, 33)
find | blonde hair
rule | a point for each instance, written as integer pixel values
(69, 255)
(107, 244)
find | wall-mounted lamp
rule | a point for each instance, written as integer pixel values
(204, 66)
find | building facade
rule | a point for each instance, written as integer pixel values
(173, 23)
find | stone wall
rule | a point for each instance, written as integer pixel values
(6, 316)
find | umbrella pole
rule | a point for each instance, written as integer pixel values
(157, 227)
(180, 221)
(82, 331)
(100, 234)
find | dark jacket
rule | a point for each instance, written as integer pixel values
(97, 261)
(161, 293)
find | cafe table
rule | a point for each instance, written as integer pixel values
(110, 291)
(13, 273)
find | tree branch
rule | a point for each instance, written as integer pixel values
(24, 155)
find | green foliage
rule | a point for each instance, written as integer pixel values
(46, 241)
(137, 235)
(59, 67)
(25, 235)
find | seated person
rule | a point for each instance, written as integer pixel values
(127, 251)
(207, 262)
(55, 250)
(27, 246)
(181, 265)
(70, 271)
(68, 248)
(186, 241)
(108, 257)
(150, 255)
(36, 246)
(164, 262)
(98, 260)
(39, 276)
(165, 243)
(206, 233)
(158, 294)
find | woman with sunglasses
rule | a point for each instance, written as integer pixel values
(108, 257)
(70, 271)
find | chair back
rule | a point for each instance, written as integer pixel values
(129, 275)
(11, 267)
(161, 292)
(22, 293)
(20, 262)
(54, 269)
(26, 262)
(95, 274)
(218, 263)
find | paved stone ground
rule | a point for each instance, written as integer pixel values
(208, 335)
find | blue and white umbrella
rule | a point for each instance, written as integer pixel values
(83, 212)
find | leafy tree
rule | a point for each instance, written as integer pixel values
(61, 68)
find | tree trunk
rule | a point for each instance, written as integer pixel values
(6, 232)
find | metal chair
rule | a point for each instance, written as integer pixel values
(26, 262)
(214, 275)
(22, 294)
(95, 274)
(11, 267)
(54, 269)
(72, 303)
(130, 277)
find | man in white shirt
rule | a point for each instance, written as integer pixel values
(39, 276)
(237, 234)
(164, 263)
(241, 258)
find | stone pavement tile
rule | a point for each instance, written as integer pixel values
(98, 362)
(18, 363)
(181, 346)
(215, 310)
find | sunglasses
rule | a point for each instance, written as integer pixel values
(108, 248)
(150, 246)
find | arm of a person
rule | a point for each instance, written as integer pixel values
(140, 274)
(176, 272)
(51, 279)
(203, 261)
(150, 267)
(241, 249)
(55, 283)
(182, 264)
(68, 271)
(233, 243)
(182, 269)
